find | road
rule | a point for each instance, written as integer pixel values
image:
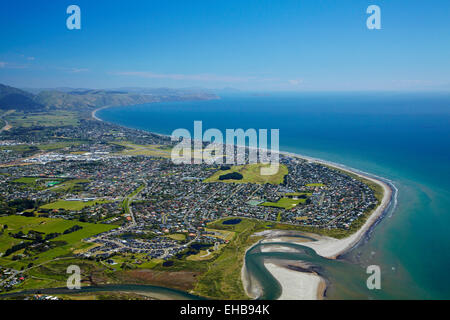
(16, 272)
(7, 126)
(129, 208)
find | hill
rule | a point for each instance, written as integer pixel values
(89, 99)
(13, 98)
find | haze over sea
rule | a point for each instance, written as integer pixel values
(404, 137)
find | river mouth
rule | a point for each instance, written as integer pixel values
(344, 277)
(336, 274)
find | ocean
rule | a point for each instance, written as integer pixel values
(403, 137)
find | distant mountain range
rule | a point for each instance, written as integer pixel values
(141, 90)
(13, 98)
(69, 98)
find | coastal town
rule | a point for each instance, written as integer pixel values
(125, 178)
(220, 156)
(76, 190)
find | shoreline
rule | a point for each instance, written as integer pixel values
(252, 288)
(326, 247)
(331, 248)
(94, 113)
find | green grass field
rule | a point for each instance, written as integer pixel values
(72, 205)
(26, 180)
(45, 119)
(126, 202)
(21, 148)
(63, 185)
(296, 194)
(44, 146)
(71, 185)
(315, 185)
(284, 203)
(177, 236)
(144, 150)
(53, 273)
(37, 183)
(251, 174)
(46, 225)
(59, 145)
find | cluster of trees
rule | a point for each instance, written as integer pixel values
(193, 249)
(231, 176)
(35, 235)
(5, 209)
(40, 247)
(31, 235)
(39, 240)
(17, 247)
(20, 205)
(72, 229)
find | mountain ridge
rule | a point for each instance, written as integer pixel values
(88, 99)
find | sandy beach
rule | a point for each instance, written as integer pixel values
(94, 113)
(298, 285)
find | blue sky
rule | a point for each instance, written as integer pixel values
(259, 45)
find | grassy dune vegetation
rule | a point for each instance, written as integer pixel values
(251, 174)
(222, 279)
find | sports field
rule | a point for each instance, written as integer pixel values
(251, 174)
(72, 205)
(284, 203)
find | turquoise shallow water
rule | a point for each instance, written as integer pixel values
(402, 137)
